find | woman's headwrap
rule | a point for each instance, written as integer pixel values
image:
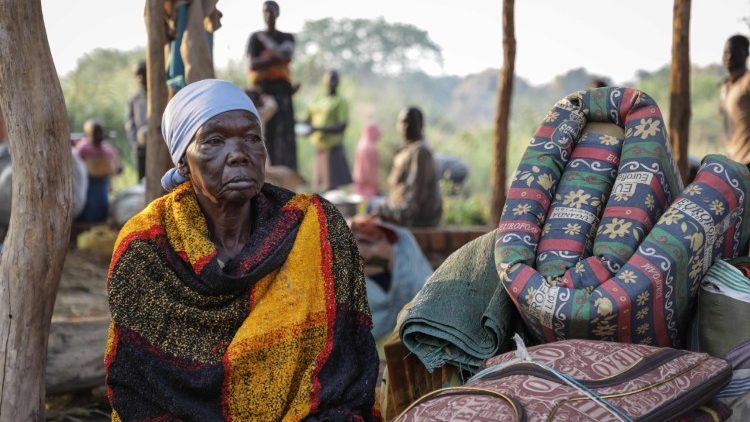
(189, 109)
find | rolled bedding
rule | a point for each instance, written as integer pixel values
(598, 239)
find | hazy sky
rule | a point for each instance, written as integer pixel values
(609, 37)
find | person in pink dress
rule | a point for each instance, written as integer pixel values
(102, 162)
(367, 163)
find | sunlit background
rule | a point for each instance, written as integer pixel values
(560, 47)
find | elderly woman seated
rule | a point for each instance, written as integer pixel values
(230, 298)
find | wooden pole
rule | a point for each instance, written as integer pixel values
(158, 160)
(679, 86)
(31, 101)
(502, 114)
(195, 51)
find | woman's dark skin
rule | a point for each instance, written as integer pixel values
(225, 163)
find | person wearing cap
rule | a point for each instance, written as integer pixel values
(233, 299)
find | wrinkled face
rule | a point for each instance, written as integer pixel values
(226, 159)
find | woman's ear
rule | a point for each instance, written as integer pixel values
(183, 168)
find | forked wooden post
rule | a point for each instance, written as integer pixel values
(502, 114)
(31, 101)
(158, 160)
(679, 86)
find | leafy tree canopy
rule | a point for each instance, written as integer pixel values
(365, 46)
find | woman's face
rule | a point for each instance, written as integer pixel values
(226, 159)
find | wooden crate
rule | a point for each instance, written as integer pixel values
(407, 379)
(438, 243)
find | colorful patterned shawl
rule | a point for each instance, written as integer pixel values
(282, 332)
(588, 245)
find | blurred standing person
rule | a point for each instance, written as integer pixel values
(735, 99)
(414, 194)
(269, 53)
(367, 162)
(80, 182)
(328, 117)
(265, 104)
(136, 120)
(102, 162)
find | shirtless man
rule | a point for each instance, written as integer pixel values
(735, 99)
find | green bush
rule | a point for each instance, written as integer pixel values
(462, 209)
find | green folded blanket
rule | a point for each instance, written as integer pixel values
(724, 303)
(440, 329)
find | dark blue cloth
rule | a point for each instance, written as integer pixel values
(97, 201)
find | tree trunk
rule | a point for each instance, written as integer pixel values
(679, 85)
(158, 160)
(502, 114)
(32, 102)
(195, 50)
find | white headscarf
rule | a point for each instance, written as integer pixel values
(189, 109)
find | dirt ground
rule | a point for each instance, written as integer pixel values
(83, 289)
(82, 293)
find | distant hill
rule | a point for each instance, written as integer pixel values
(473, 99)
(459, 111)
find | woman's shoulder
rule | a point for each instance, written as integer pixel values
(276, 195)
(144, 220)
(147, 224)
(302, 200)
(136, 234)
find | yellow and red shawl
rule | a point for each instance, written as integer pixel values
(281, 332)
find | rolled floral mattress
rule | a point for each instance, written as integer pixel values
(598, 239)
